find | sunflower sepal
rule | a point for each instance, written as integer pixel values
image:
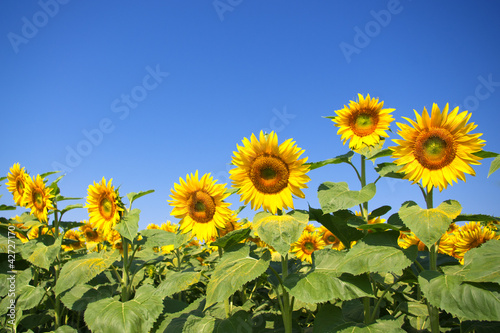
(429, 225)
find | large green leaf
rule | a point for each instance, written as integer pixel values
(482, 264)
(145, 296)
(235, 269)
(29, 296)
(280, 231)
(175, 322)
(336, 160)
(475, 217)
(129, 225)
(390, 170)
(155, 237)
(43, 255)
(378, 253)
(80, 296)
(324, 282)
(84, 269)
(338, 225)
(467, 301)
(195, 324)
(336, 196)
(429, 224)
(110, 316)
(175, 282)
(232, 238)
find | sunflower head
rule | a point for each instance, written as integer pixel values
(231, 225)
(104, 206)
(90, 233)
(307, 243)
(407, 239)
(38, 198)
(199, 203)
(437, 149)
(330, 239)
(169, 227)
(363, 122)
(76, 236)
(17, 181)
(471, 235)
(268, 174)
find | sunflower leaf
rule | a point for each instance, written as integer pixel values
(129, 225)
(70, 207)
(232, 238)
(132, 196)
(43, 255)
(475, 217)
(155, 237)
(495, 164)
(337, 196)
(429, 224)
(43, 175)
(5, 207)
(175, 282)
(481, 263)
(281, 231)
(379, 212)
(345, 158)
(485, 154)
(337, 224)
(467, 301)
(389, 169)
(371, 152)
(382, 153)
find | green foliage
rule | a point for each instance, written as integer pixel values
(345, 158)
(232, 238)
(129, 225)
(43, 251)
(481, 264)
(336, 196)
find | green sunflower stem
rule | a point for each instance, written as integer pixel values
(287, 308)
(364, 213)
(433, 311)
(125, 274)
(227, 308)
(57, 267)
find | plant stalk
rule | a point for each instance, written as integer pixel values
(433, 311)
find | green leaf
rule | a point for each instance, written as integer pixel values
(381, 326)
(44, 255)
(429, 224)
(70, 207)
(175, 322)
(235, 269)
(475, 217)
(65, 329)
(336, 160)
(382, 153)
(43, 175)
(338, 225)
(371, 152)
(481, 264)
(81, 295)
(336, 196)
(485, 154)
(379, 212)
(84, 269)
(467, 301)
(175, 282)
(111, 316)
(324, 283)
(29, 296)
(329, 319)
(132, 196)
(195, 324)
(67, 225)
(181, 239)
(378, 252)
(495, 164)
(239, 321)
(232, 238)
(156, 237)
(5, 207)
(153, 304)
(129, 225)
(280, 231)
(390, 170)
(61, 198)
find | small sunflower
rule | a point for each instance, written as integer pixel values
(437, 149)
(76, 236)
(363, 122)
(90, 233)
(200, 206)
(169, 227)
(104, 206)
(268, 174)
(17, 181)
(37, 197)
(330, 239)
(471, 235)
(306, 244)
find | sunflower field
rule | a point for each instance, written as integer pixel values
(340, 267)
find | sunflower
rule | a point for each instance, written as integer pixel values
(306, 244)
(17, 181)
(363, 122)
(76, 236)
(37, 197)
(90, 233)
(437, 149)
(104, 206)
(200, 206)
(407, 239)
(330, 239)
(169, 227)
(230, 225)
(267, 174)
(471, 235)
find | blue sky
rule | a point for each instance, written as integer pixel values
(146, 92)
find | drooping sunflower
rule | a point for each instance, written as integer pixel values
(104, 206)
(471, 235)
(17, 181)
(437, 149)
(199, 203)
(268, 174)
(37, 197)
(307, 243)
(330, 239)
(363, 122)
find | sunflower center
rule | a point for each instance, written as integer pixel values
(202, 207)
(269, 174)
(331, 239)
(38, 200)
(20, 187)
(363, 122)
(435, 148)
(308, 247)
(107, 208)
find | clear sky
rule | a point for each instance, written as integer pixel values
(145, 92)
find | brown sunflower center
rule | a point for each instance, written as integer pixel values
(435, 148)
(37, 198)
(364, 122)
(202, 207)
(20, 187)
(331, 239)
(308, 247)
(107, 208)
(269, 174)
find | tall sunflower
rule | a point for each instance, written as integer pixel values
(307, 243)
(37, 197)
(437, 149)
(104, 206)
(200, 206)
(363, 122)
(17, 181)
(267, 174)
